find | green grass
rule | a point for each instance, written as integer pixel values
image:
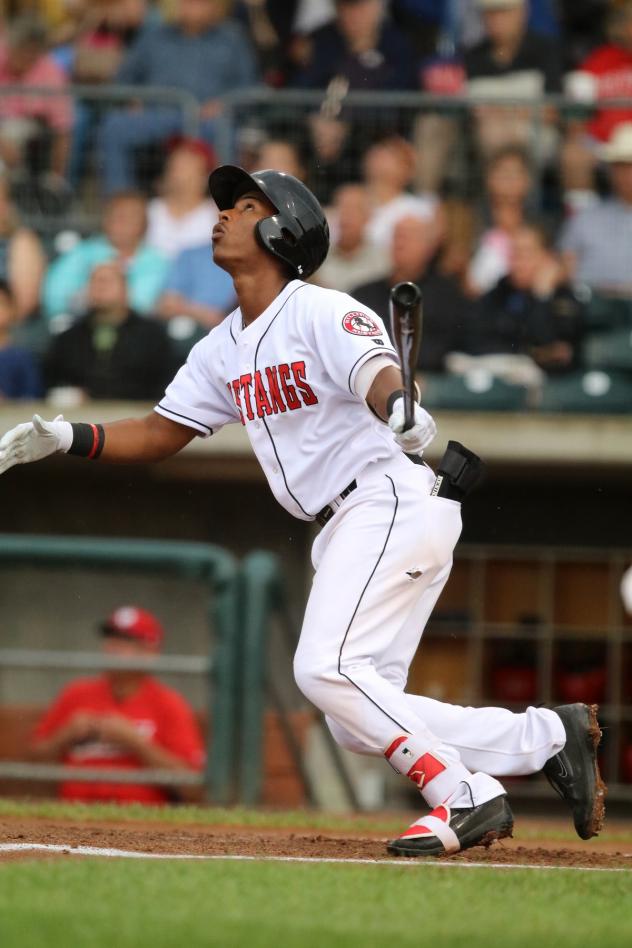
(98, 903)
(267, 819)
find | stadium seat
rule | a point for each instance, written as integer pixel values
(609, 350)
(478, 390)
(594, 391)
(602, 313)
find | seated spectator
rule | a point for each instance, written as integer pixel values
(22, 257)
(508, 184)
(512, 62)
(361, 45)
(412, 253)
(352, 258)
(389, 166)
(184, 215)
(531, 311)
(597, 241)
(19, 373)
(197, 288)
(202, 52)
(34, 129)
(122, 720)
(123, 240)
(605, 74)
(111, 352)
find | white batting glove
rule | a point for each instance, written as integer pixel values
(34, 440)
(419, 436)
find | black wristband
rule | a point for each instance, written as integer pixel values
(392, 398)
(87, 440)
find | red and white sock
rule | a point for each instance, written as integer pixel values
(433, 772)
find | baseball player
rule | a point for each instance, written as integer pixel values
(313, 378)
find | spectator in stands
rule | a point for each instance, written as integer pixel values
(19, 372)
(183, 216)
(361, 45)
(597, 242)
(512, 62)
(33, 124)
(22, 257)
(111, 352)
(352, 259)
(508, 185)
(202, 52)
(412, 257)
(605, 74)
(124, 241)
(122, 720)
(108, 28)
(389, 166)
(197, 288)
(531, 311)
(281, 154)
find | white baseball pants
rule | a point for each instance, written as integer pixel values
(381, 563)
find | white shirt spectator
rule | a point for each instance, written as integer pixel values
(385, 216)
(171, 234)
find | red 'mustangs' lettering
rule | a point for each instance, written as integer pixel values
(261, 397)
(289, 391)
(245, 381)
(307, 393)
(278, 405)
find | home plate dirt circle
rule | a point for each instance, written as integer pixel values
(19, 834)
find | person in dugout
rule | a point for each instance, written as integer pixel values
(122, 719)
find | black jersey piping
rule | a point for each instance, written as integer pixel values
(186, 417)
(366, 586)
(230, 329)
(377, 350)
(265, 424)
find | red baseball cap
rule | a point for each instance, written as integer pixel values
(130, 622)
(197, 146)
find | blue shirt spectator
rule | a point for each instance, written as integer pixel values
(204, 53)
(122, 240)
(196, 287)
(19, 373)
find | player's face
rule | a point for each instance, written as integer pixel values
(235, 246)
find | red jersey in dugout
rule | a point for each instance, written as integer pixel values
(158, 712)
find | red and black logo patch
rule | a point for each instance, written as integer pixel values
(359, 324)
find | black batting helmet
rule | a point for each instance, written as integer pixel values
(298, 233)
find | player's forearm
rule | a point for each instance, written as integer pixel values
(152, 755)
(151, 438)
(387, 381)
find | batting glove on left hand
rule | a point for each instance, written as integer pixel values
(33, 441)
(415, 439)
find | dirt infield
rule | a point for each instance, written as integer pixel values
(179, 839)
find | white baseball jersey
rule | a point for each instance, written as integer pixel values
(290, 378)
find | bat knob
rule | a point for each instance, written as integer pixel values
(405, 294)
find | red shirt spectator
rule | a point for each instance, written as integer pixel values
(55, 110)
(121, 720)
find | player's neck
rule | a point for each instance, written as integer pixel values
(257, 290)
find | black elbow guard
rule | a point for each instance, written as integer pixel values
(458, 472)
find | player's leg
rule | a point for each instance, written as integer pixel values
(376, 559)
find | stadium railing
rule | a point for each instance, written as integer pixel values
(205, 563)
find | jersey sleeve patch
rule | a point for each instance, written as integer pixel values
(360, 324)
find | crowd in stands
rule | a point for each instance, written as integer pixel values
(514, 218)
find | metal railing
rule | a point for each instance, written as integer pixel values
(211, 565)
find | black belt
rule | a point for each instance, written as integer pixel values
(329, 509)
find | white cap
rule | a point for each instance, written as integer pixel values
(499, 4)
(619, 148)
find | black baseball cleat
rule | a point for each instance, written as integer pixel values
(574, 772)
(446, 830)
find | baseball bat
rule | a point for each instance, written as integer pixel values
(406, 314)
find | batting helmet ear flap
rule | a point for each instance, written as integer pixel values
(282, 237)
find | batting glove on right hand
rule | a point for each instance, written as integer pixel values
(415, 439)
(34, 440)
